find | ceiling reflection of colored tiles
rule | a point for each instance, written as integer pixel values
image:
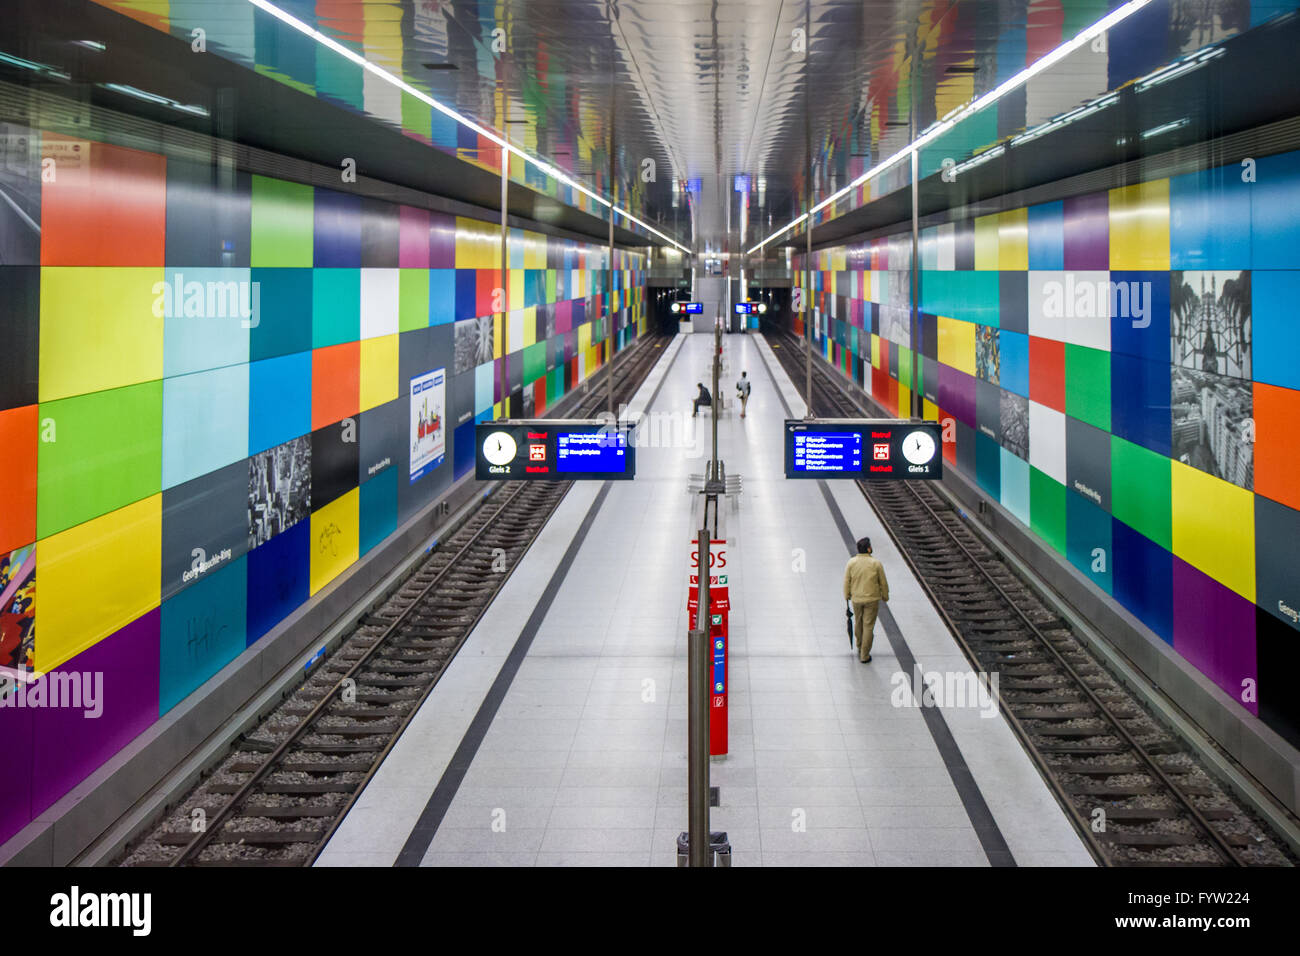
(707, 90)
(401, 38)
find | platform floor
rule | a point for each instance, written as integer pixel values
(579, 755)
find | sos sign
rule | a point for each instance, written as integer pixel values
(717, 564)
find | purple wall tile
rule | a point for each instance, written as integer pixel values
(957, 393)
(16, 775)
(1087, 232)
(68, 745)
(413, 238)
(442, 241)
(1214, 629)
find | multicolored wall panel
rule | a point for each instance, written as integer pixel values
(218, 391)
(1119, 370)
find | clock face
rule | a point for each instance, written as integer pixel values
(499, 448)
(918, 447)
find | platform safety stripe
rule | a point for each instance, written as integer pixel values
(421, 837)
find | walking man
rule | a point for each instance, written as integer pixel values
(865, 586)
(742, 389)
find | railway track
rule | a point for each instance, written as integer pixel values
(1135, 791)
(284, 787)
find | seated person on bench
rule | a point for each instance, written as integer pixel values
(704, 398)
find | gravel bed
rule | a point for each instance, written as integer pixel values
(274, 825)
(289, 800)
(151, 853)
(220, 852)
(300, 776)
(311, 756)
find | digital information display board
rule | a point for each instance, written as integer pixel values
(690, 308)
(558, 450)
(863, 448)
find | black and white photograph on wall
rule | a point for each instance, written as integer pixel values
(1194, 24)
(896, 306)
(1213, 425)
(988, 354)
(279, 489)
(473, 343)
(1014, 414)
(20, 196)
(1209, 319)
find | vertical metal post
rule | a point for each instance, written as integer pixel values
(609, 300)
(697, 723)
(808, 204)
(717, 396)
(915, 402)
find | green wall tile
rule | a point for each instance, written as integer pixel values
(106, 454)
(1140, 490)
(1047, 509)
(413, 299)
(1087, 385)
(282, 223)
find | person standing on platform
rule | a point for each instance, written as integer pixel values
(865, 586)
(742, 389)
(703, 398)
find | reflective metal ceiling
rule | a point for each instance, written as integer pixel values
(692, 94)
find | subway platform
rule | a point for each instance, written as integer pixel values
(558, 734)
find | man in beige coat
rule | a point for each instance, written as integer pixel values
(865, 586)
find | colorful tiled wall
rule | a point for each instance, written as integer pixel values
(1121, 371)
(217, 392)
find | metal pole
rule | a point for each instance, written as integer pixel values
(808, 225)
(717, 397)
(915, 401)
(609, 301)
(697, 723)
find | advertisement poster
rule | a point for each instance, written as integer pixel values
(428, 421)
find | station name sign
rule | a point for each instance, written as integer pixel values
(553, 450)
(865, 448)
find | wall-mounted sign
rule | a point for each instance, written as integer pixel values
(558, 450)
(428, 421)
(863, 448)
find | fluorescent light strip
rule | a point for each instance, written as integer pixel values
(425, 98)
(1166, 128)
(956, 116)
(1165, 74)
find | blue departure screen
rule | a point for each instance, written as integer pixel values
(828, 451)
(591, 452)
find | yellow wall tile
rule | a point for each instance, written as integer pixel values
(986, 242)
(98, 329)
(1139, 226)
(96, 578)
(1214, 527)
(957, 344)
(478, 245)
(530, 326)
(1013, 239)
(335, 533)
(378, 371)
